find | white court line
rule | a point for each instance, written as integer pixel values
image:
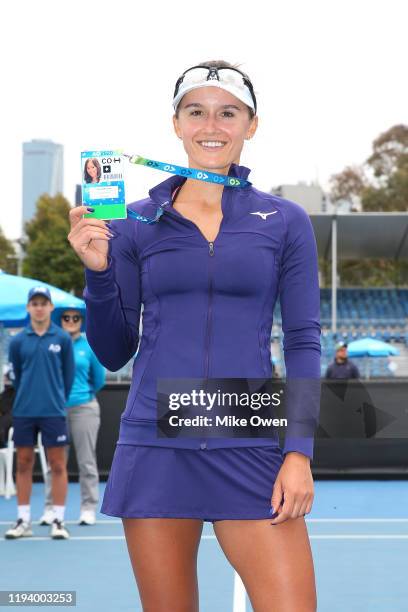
(85, 538)
(102, 522)
(395, 536)
(44, 539)
(239, 598)
(399, 536)
(310, 520)
(357, 520)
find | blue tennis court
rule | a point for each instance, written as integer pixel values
(358, 531)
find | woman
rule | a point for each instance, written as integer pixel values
(83, 418)
(208, 273)
(92, 171)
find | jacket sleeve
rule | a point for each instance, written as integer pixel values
(68, 364)
(299, 295)
(97, 373)
(113, 300)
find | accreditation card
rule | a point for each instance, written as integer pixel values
(103, 184)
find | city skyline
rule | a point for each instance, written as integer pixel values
(43, 172)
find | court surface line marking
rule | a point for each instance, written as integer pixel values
(395, 536)
(309, 520)
(239, 596)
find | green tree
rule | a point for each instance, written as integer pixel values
(8, 261)
(381, 184)
(388, 163)
(390, 152)
(49, 256)
(382, 181)
(348, 183)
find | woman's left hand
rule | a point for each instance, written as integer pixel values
(294, 483)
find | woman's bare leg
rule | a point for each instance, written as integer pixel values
(163, 553)
(274, 561)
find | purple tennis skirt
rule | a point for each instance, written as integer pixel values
(217, 484)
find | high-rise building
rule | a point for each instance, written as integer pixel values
(310, 197)
(42, 173)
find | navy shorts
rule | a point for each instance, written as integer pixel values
(54, 431)
(217, 484)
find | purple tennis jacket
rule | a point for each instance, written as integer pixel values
(207, 306)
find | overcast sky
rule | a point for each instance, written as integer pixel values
(329, 76)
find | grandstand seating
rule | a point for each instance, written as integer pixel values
(379, 313)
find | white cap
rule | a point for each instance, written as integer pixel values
(229, 82)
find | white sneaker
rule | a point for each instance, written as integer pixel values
(59, 531)
(47, 518)
(87, 517)
(21, 529)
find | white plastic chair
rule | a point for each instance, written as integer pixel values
(7, 487)
(3, 472)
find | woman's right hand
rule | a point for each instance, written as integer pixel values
(89, 238)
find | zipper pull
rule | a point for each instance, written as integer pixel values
(211, 247)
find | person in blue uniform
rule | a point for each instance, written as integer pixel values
(208, 272)
(83, 419)
(42, 361)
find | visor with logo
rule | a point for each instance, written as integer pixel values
(229, 79)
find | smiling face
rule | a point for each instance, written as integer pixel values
(213, 125)
(92, 170)
(71, 321)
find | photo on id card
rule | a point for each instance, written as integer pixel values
(103, 184)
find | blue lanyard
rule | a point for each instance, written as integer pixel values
(192, 173)
(135, 215)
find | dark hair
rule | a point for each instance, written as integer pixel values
(224, 64)
(87, 177)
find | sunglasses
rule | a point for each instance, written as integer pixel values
(210, 73)
(74, 318)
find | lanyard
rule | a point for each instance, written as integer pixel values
(134, 215)
(194, 173)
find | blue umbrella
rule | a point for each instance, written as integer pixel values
(370, 347)
(13, 300)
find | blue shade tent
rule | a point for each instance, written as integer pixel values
(13, 300)
(370, 347)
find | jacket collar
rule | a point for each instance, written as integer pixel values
(162, 193)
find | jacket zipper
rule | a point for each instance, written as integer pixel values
(210, 291)
(207, 355)
(211, 253)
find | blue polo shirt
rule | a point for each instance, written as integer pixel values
(43, 371)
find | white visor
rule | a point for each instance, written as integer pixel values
(230, 81)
